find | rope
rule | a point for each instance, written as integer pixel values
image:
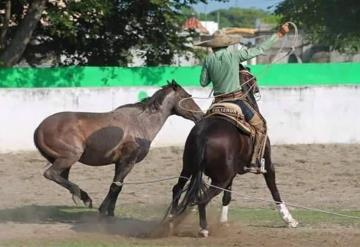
(289, 204)
(292, 49)
(247, 197)
(258, 97)
(211, 97)
(154, 181)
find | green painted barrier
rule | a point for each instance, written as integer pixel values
(276, 75)
(284, 75)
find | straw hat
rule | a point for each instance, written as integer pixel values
(220, 39)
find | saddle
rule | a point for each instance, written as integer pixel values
(232, 113)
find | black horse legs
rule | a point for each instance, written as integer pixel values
(210, 193)
(122, 169)
(271, 184)
(59, 173)
(270, 175)
(225, 204)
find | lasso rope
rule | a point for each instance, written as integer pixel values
(230, 191)
(246, 197)
(258, 97)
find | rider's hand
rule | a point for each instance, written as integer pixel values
(284, 29)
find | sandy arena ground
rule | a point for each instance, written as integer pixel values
(321, 176)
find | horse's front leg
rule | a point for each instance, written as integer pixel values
(122, 169)
(271, 184)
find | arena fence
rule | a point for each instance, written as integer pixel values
(275, 75)
(307, 103)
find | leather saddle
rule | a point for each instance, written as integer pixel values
(232, 113)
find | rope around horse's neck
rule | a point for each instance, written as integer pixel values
(243, 196)
(292, 50)
(244, 95)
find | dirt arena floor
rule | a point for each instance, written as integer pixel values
(37, 212)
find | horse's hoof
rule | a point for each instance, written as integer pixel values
(204, 233)
(171, 229)
(77, 200)
(169, 220)
(88, 203)
(293, 224)
(102, 211)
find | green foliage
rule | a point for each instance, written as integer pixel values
(238, 17)
(334, 23)
(104, 32)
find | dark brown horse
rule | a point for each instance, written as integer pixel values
(216, 148)
(121, 137)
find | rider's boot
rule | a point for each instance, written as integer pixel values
(257, 164)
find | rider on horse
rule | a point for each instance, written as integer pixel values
(222, 69)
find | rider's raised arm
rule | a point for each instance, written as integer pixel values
(246, 54)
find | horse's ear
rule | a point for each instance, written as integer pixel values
(174, 84)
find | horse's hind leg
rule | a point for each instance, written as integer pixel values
(59, 173)
(271, 184)
(213, 191)
(225, 205)
(83, 194)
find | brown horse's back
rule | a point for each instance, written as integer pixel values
(78, 134)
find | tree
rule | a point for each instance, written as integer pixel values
(97, 32)
(334, 23)
(238, 17)
(14, 50)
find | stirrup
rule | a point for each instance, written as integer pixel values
(256, 169)
(262, 166)
(252, 169)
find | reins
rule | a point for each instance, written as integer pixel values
(258, 97)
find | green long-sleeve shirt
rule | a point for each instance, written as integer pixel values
(222, 67)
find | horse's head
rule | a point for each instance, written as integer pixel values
(183, 103)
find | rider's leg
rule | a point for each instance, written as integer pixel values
(260, 139)
(255, 119)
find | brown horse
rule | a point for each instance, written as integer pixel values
(121, 137)
(216, 148)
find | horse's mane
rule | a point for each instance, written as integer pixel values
(154, 102)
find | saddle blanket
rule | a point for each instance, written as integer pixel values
(232, 113)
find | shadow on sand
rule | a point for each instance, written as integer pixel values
(83, 220)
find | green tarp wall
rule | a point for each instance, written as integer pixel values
(275, 75)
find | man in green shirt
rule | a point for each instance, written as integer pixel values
(221, 68)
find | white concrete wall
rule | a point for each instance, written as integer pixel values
(294, 115)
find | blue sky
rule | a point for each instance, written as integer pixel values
(213, 5)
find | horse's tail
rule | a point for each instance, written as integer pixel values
(195, 191)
